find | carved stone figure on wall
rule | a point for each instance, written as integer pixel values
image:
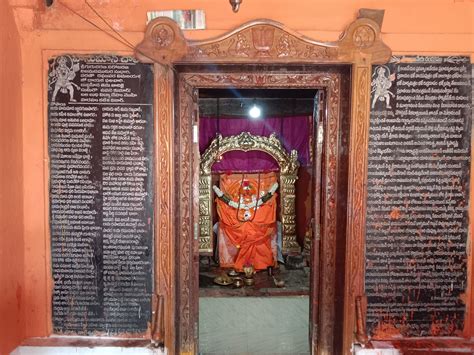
(242, 46)
(284, 46)
(381, 86)
(61, 75)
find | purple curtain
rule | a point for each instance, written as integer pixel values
(293, 132)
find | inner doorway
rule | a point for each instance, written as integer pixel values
(326, 290)
(255, 267)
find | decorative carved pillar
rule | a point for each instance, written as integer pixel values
(186, 223)
(288, 213)
(205, 216)
(356, 198)
(164, 214)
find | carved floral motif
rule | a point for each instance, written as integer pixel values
(162, 35)
(364, 36)
(163, 177)
(164, 240)
(185, 231)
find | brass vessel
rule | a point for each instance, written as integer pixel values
(238, 282)
(249, 281)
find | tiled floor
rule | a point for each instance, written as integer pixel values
(253, 325)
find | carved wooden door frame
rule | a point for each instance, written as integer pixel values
(323, 291)
(257, 42)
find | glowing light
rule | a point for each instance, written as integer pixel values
(255, 112)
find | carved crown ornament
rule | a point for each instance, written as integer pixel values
(261, 41)
(246, 142)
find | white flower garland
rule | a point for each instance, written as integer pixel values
(245, 206)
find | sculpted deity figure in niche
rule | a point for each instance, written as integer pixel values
(247, 228)
(381, 85)
(62, 75)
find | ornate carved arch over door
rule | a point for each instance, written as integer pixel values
(258, 42)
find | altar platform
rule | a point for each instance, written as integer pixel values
(296, 283)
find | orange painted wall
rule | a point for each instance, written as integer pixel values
(11, 186)
(423, 27)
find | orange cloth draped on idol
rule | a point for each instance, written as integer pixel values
(247, 228)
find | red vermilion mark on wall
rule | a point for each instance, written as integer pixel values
(386, 330)
(395, 214)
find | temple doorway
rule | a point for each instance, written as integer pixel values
(294, 186)
(260, 162)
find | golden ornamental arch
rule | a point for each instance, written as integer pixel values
(288, 163)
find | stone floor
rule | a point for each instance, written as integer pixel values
(254, 325)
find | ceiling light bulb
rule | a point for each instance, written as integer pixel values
(255, 112)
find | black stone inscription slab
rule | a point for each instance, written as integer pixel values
(417, 207)
(101, 193)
